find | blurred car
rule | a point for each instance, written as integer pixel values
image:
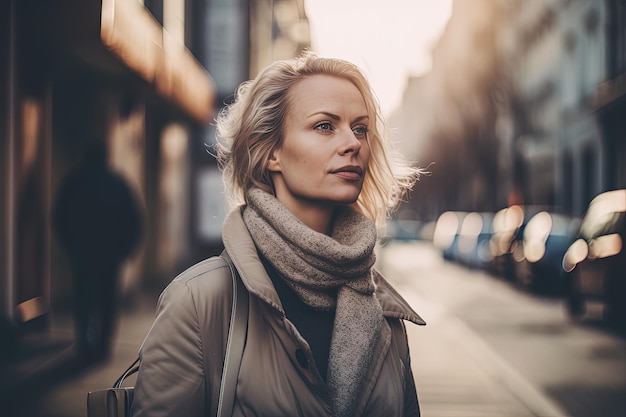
(508, 233)
(473, 240)
(428, 230)
(506, 224)
(596, 261)
(538, 258)
(446, 233)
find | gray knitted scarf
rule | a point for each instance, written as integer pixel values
(317, 267)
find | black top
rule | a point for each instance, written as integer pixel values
(316, 326)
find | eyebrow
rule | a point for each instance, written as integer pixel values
(336, 117)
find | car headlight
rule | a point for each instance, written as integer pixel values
(534, 250)
(575, 254)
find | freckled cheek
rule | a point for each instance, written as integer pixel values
(301, 161)
(304, 158)
(294, 157)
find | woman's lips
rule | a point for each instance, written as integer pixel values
(352, 173)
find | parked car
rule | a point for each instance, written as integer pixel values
(538, 258)
(506, 224)
(508, 233)
(473, 240)
(596, 261)
(446, 234)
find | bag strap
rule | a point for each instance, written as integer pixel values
(237, 332)
(235, 343)
(133, 368)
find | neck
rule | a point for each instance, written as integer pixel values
(316, 220)
(315, 216)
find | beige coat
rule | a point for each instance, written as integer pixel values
(277, 376)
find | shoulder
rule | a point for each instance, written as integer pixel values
(216, 268)
(208, 280)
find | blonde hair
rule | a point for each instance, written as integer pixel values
(251, 128)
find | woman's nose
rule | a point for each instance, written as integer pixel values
(350, 144)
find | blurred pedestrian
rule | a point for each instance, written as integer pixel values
(311, 173)
(98, 222)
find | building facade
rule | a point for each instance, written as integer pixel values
(553, 115)
(75, 72)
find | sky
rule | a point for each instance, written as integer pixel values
(388, 39)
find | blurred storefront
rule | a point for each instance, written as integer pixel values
(73, 72)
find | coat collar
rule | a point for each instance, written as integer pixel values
(243, 252)
(393, 304)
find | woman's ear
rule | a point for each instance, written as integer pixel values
(273, 164)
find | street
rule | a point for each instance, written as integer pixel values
(555, 367)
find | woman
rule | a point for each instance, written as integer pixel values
(311, 174)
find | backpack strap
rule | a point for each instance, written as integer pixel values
(236, 341)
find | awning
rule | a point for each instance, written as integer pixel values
(115, 36)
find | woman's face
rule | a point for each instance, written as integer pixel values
(324, 154)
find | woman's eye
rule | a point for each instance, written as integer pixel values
(360, 131)
(324, 127)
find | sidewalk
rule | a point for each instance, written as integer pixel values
(54, 384)
(456, 374)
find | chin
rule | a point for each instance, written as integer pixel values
(345, 198)
(332, 195)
